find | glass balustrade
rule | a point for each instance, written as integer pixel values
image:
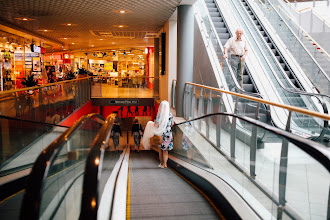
(22, 141)
(62, 184)
(125, 87)
(279, 178)
(49, 103)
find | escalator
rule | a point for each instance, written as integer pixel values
(224, 34)
(289, 72)
(281, 88)
(194, 187)
(315, 66)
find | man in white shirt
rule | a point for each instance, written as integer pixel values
(238, 48)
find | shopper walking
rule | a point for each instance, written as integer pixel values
(137, 132)
(238, 49)
(116, 133)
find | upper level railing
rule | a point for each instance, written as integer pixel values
(49, 103)
(200, 100)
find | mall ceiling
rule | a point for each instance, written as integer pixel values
(87, 24)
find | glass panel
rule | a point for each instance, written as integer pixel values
(61, 195)
(308, 184)
(124, 87)
(252, 160)
(50, 104)
(22, 141)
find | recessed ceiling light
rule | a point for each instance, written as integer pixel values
(92, 45)
(122, 11)
(25, 19)
(64, 49)
(65, 38)
(69, 24)
(101, 39)
(72, 43)
(120, 26)
(45, 30)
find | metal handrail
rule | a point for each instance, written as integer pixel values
(33, 191)
(41, 86)
(287, 107)
(93, 170)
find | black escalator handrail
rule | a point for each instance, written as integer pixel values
(319, 152)
(295, 91)
(237, 86)
(89, 201)
(34, 122)
(32, 197)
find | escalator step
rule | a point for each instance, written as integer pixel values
(218, 24)
(266, 39)
(270, 45)
(214, 19)
(222, 30)
(259, 27)
(288, 73)
(214, 14)
(253, 17)
(283, 65)
(211, 5)
(223, 41)
(213, 10)
(248, 87)
(246, 79)
(224, 35)
(209, 1)
(256, 22)
(293, 82)
(250, 12)
(274, 51)
(278, 58)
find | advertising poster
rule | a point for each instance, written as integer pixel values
(36, 65)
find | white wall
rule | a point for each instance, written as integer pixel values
(170, 28)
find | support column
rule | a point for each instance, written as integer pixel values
(156, 68)
(185, 53)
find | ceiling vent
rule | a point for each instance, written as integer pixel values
(124, 34)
